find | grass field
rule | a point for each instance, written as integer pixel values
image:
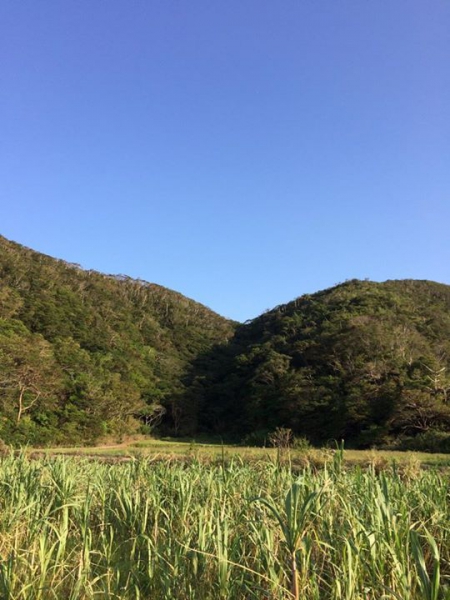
(169, 449)
(222, 527)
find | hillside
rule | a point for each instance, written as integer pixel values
(364, 361)
(83, 354)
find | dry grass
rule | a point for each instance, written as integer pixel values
(166, 449)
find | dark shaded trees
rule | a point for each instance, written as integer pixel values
(362, 361)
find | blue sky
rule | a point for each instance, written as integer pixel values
(241, 152)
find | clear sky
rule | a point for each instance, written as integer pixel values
(241, 152)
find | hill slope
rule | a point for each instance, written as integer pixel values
(364, 361)
(83, 354)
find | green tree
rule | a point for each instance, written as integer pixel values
(29, 375)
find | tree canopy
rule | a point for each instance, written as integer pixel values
(83, 354)
(362, 361)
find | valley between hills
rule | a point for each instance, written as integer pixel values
(85, 355)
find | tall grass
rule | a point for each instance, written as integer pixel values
(78, 530)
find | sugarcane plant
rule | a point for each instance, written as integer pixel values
(300, 508)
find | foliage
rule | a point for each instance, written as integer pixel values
(431, 441)
(365, 362)
(84, 530)
(83, 354)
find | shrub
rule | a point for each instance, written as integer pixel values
(281, 438)
(256, 438)
(5, 450)
(302, 444)
(430, 441)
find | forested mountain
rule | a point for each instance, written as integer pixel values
(364, 361)
(83, 354)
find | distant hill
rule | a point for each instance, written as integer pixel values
(83, 354)
(364, 361)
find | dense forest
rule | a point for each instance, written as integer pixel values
(365, 362)
(84, 355)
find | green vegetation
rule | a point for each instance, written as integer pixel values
(143, 530)
(365, 362)
(85, 355)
